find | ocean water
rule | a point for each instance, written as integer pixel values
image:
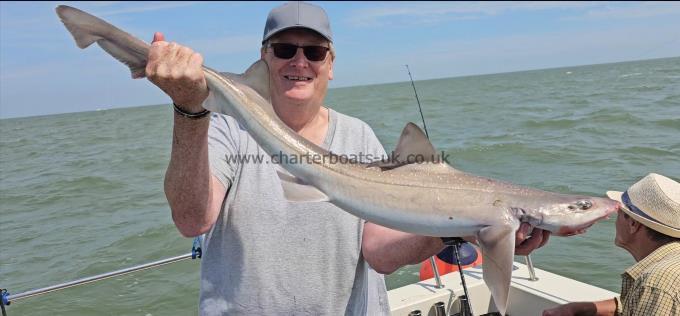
(82, 194)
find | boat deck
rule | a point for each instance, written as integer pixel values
(527, 297)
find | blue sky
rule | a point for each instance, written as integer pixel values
(43, 72)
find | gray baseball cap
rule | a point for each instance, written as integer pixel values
(297, 14)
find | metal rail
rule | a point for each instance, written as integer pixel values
(530, 266)
(7, 299)
(437, 277)
(94, 278)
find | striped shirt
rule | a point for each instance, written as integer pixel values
(652, 286)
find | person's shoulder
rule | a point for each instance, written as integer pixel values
(663, 273)
(352, 122)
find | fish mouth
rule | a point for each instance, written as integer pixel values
(581, 229)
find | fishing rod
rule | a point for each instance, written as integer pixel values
(453, 242)
(418, 100)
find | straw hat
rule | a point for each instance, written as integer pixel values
(653, 201)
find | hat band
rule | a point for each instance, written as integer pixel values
(626, 201)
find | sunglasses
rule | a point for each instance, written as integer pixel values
(287, 51)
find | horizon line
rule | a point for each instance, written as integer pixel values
(356, 86)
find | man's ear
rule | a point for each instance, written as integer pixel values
(634, 226)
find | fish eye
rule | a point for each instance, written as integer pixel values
(584, 204)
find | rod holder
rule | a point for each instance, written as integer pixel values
(437, 277)
(530, 266)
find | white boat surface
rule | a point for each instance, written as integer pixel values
(527, 297)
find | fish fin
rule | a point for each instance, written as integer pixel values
(70, 16)
(87, 29)
(294, 190)
(413, 141)
(257, 77)
(498, 248)
(413, 146)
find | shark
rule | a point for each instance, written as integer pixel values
(420, 194)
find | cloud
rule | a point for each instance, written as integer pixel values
(437, 12)
(644, 10)
(148, 7)
(226, 45)
(432, 13)
(517, 52)
(109, 8)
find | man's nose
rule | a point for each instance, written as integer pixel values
(299, 59)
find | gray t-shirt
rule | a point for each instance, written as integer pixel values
(266, 255)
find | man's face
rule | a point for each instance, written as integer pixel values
(626, 230)
(621, 229)
(298, 80)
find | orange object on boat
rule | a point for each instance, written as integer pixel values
(445, 267)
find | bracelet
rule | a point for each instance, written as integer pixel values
(193, 116)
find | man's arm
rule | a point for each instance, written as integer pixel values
(600, 308)
(194, 195)
(387, 250)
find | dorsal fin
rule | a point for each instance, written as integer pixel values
(413, 147)
(414, 142)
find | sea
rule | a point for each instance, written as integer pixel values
(82, 193)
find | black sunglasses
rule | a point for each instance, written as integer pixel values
(287, 51)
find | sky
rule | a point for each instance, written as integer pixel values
(43, 72)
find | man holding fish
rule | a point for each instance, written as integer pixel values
(265, 254)
(291, 237)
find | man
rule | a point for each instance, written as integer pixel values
(648, 227)
(263, 254)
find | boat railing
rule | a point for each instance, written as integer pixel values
(6, 298)
(196, 252)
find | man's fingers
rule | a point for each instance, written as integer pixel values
(522, 233)
(533, 241)
(525, 247)
(537, 239)
(158, 37)
(196, 60)
(546, 236)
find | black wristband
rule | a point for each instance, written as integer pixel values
(193, 116)
(452, 240)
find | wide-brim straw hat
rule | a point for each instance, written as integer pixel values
(654, 201)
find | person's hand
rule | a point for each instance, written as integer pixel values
(177, 71)
(528, 239)
(562, 310)
(606, 307)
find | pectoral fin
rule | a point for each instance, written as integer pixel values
(295, 190)
(498, 248)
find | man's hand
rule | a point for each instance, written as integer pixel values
(528, 239)
(562, 310)
(177, 71)
(599, 308)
